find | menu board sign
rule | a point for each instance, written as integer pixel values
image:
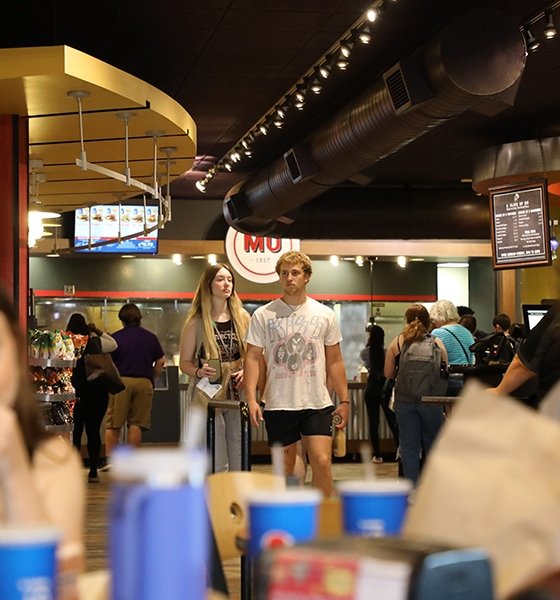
(520, 228)
(106, 223)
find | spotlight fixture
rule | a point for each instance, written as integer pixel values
(342, 63)
(531, 41)
(365, 34)
(280, 112)
(316, 86)
(263, 128)
(212, 259)
(334, 260)
(300, 97)
(346, 48)
(549, 28)
(227, 166)
(359, 261)
(372, 14)
(401, 261)
(325, 70)
(201, 186)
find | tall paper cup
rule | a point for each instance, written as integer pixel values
(280, 518)
(374, 507)
(28, 563)
(159, 527)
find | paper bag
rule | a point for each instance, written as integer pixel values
(492, 480)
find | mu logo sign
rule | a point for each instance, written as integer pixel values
(254, 258)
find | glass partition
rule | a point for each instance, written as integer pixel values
(166, 318)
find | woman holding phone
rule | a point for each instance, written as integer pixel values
(213, 347)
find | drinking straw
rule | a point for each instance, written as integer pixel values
(194, 445)
(195, 429)
(365, 453)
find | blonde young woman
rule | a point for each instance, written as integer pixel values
(215, 329)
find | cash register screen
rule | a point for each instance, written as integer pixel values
(532, 314)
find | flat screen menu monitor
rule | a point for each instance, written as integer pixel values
(102, 223)
(520, 226)
(532, 314)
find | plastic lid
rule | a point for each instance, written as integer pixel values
(155, 466)
(378, 486)
(290, 496)
(13, 534)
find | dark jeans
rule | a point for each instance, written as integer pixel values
(419, 426)
(89, 411)
(376, 398)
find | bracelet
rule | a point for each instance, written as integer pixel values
(344, 402)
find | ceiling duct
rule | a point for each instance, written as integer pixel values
(476, 55)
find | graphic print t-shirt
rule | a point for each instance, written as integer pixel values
(294, 351)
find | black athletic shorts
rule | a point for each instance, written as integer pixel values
(286, 427)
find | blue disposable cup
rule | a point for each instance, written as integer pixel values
(374, 507)
(28, 563)
(279, 518)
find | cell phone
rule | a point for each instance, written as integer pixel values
(215, 364)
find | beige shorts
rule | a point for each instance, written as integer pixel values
(133, 405)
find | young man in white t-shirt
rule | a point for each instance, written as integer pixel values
(300, 338)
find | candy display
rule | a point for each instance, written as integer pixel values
(79, 342)
(56, 413)
(51, 345)
(52, 380)
(52, 355)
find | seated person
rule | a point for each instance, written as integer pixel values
(40, 473)
(501, 323)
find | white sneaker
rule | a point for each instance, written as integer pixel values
(377, 460)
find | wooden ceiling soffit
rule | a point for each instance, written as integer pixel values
(34, 83)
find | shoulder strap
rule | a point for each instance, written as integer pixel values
(462, 347)
(199, 340)
(93, 345)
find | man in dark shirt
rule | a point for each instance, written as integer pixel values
(139, 358)
(538, 356)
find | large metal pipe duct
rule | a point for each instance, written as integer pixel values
(370, 214)
(477, 55)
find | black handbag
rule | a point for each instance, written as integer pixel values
(100, 369)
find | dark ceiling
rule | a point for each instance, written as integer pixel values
(229, 62)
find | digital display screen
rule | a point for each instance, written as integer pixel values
(520, 228)
(103, 222)
(533, 313)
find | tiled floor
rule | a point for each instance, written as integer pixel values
(97, 506)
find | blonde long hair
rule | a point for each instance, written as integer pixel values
(202, 309)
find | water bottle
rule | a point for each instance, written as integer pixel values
(339, 438)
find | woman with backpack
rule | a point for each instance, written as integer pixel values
(417, 361)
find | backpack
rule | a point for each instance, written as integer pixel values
(421, 372)
(494, 349)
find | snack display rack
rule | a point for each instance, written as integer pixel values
(52, 356)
